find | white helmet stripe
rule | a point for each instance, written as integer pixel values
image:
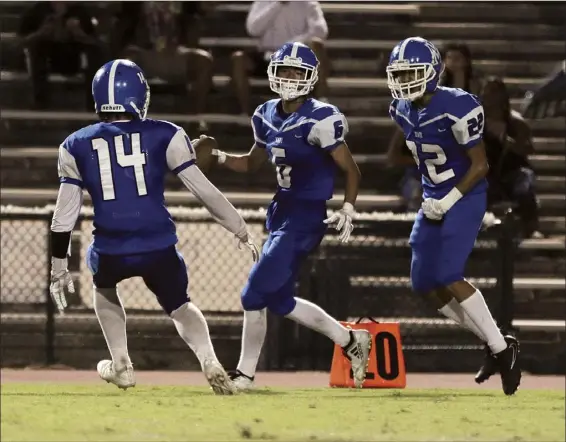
(111, 78)
(294, 50)
(402, 48)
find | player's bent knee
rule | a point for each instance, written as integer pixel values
(252, 300)
(175, 303)
(282, 307)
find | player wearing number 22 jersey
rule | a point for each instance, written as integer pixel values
(122, 161)
(305, 141)
(443, 128)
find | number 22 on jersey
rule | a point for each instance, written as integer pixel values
(136, 160)
(432, 163)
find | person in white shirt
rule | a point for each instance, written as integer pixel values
(275, 23)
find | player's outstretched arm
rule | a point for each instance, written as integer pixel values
(181, 160)
(250, 162)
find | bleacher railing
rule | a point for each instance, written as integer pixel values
(367, 277)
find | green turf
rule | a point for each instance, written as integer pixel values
(42, 412)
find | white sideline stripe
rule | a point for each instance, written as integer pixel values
(551, 325)
(519, 283)
(184, 198)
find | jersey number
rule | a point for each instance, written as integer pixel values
(432, 163)
(475, 125)
(283, 170)
(136, 160)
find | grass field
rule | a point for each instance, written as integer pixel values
(67, 412)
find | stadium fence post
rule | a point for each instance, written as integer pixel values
(49, 304)
(506, 247)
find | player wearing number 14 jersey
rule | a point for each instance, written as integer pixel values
(122, 161)
(443, 128)
(305, 140)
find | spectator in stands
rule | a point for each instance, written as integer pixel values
(549, 100)
(162, 38)
(458, 68)
(508, 143)
(59, 37)
(275, 23)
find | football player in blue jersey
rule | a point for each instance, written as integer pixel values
(443, 128)
(305, 140)
(122, 161)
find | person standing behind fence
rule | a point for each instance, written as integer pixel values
(275, 23)
(443, 128)
(122, 161)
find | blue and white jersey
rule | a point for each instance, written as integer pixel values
(123, 165)
(300, 146)
(438, 136)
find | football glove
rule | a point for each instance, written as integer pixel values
(247, 242)
(61, 279)
(435, 209)
(342, 221)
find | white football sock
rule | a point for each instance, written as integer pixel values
(453, 310)
(253, 336)
(312, 316)
(192, 327)
(112, 319)
(479, 313)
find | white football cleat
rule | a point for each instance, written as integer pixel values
(122, 379)
(358, 354)
(242, 381)
(218, 378)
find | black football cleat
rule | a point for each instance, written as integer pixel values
(509, 366)
(489, 367)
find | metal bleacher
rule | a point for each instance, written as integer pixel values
(520, 42)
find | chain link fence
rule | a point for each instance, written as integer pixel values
(366, 277)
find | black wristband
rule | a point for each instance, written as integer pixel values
(60, 244)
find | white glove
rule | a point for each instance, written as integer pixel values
(436, 209)
(343, 221)
(246, 241)
(60, 279)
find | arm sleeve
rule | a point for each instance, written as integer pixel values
(261, 16)
(67, 208)
(468, 121)
(67, 167)
(258, 127)
(180, 152)
(316, 23)
(223, 212)
(330, 132)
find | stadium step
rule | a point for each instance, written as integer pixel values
(525, 13)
